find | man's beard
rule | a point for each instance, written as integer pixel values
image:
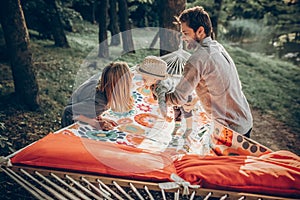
(194, 43)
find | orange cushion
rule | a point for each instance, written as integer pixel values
(69, 152)
(277, 173)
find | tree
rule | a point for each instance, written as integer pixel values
(125, 27)
(17, 42)
(56, 25)
(169, 34)
(113, 23)
(215, 16)
(103, 43)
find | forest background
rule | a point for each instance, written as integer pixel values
(42, 54)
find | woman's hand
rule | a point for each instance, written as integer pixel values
(99, 123)
(104, 124)
(112, 122)
(107, 124)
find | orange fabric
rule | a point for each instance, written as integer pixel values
(277, 173)
(226, 142)
(72, 153)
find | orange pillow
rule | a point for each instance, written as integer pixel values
(276, 173)
(72, 153)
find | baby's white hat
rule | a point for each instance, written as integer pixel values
(153, 66)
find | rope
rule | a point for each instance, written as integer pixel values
(103, 190)
(136, 191)
(56, 194)
(192, 195)
(148, 192)
(78, 193)
(95, 188)
(111, 191)
(224, 197)
(26, 185)
(122, 191)
(83, 188)
(65, 192)
(178, 181)
(176, 195)
(176, 60)
(163, 194)
(207, 196)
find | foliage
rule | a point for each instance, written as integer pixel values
(262, 24)
(37, 17)
(238, 30)
(280, 14)
(249, 34)
(141, 13)
(206, 4)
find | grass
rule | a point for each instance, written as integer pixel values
(270, 85)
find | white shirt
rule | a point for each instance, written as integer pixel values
(213, 75)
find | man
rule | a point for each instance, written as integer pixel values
(213, 75)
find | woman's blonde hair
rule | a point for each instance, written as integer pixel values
(116, 82)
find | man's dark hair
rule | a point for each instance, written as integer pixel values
(196, 17)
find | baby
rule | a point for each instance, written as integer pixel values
(154, 72)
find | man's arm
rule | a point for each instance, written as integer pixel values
(185, 87)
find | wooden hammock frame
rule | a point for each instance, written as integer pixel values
(50, 184)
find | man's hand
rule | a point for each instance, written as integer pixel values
(168, 119)
(188, 107)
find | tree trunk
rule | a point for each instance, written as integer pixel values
(215, 17)
(103, 43)
(169, 33)
(94, 8)
(113, 23)
(56, 25)
(17, 42)
(125, 27)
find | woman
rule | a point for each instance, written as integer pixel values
(95, 96)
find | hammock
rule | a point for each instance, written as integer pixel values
(139, 159)
(176, 60)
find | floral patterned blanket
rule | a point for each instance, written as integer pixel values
(143, 127)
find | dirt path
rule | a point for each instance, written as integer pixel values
(274, 134)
